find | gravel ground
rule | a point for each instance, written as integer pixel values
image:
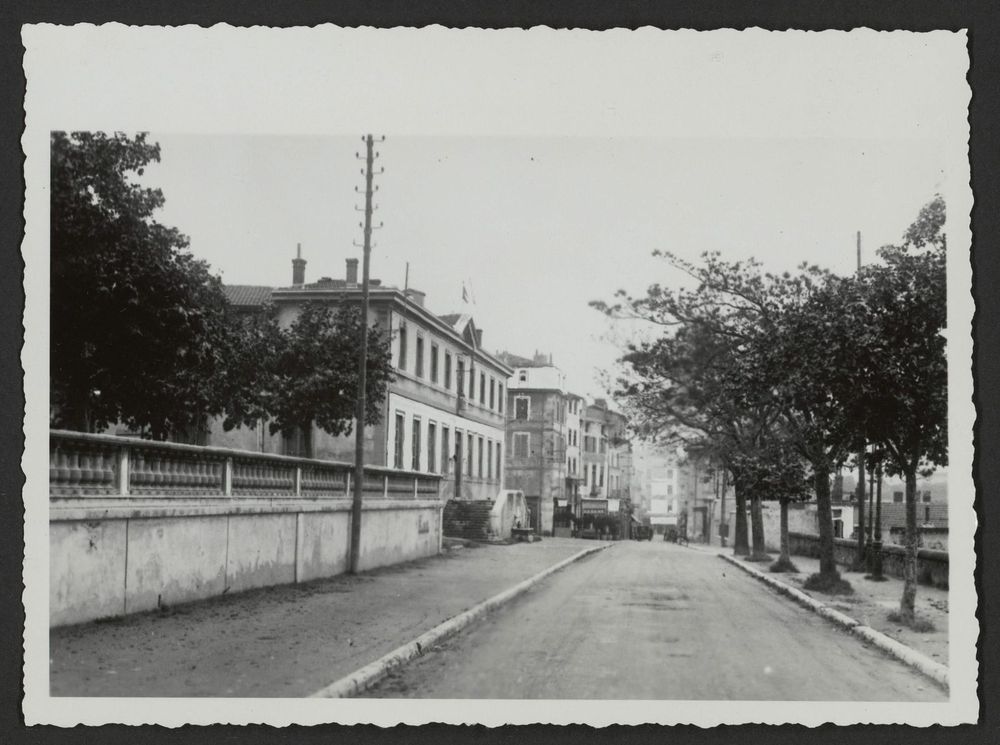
(289, 640)
(872, 602)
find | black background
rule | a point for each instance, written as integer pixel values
(980, 18)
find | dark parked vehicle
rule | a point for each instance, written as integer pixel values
(642, 533)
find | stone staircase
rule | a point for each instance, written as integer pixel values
(467, 519)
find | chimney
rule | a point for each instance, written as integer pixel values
(352, 271)
(298, 266)
(479, 338)
(415, 296)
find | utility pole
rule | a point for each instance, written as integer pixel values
(359, 446)
(859, 489)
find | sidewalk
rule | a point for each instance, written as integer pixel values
(872, 602)
(289, 640)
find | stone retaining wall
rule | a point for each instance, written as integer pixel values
(135, 525)
(932, 566)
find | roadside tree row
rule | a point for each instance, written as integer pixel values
(780, 376)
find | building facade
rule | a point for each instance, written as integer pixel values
(542, 424)
(444, 410)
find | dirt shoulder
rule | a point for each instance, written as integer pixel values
(289, 640)
(872, 602)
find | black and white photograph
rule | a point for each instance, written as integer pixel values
(518, 377)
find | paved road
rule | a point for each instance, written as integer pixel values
(652, 620)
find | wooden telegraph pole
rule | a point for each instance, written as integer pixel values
(859, 490)
(359, 446)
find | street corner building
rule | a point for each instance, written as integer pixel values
(444, 410)
(572, 461)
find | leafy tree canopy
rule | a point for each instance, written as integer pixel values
(314, 375)
(137, 324)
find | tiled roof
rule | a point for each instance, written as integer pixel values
(247, 295)
(515, 360)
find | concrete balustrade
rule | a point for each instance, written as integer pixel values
(136, 524)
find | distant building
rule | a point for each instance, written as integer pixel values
(662, 485)
(543, 435)
(606, 486)
(444, 412)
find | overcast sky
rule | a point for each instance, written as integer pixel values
(537, 227)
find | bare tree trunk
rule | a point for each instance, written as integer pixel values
(827, 563)
(741, 543)
(757, 530)
(906, 604)
(785, 553)
(784, 562)
(859, 493)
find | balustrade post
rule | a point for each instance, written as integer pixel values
(385, 486)
(123, 471)
(298, 481)
(227, 478)
(416, 479)
(347, 490)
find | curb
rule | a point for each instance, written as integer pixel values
(362, 679)
(907, 655)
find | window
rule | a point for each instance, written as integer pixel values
(670, 489)
(479, 469)
(420, 357)
(499, 462)
(447, 370)
(522, 375)
(593, 475)
(482, 388)
(522, 407)
(600, 473)
(500, 397)
(489, 460)
(434, 363)
(493, 391)
(927, 514)
(400, 424)
(431, 447)
(521, 442)
(415, 462)
(402, 347)
(897, 496)
(927, 496)
(461, 377)
(445, 454)
(472, 380)
(469, 442)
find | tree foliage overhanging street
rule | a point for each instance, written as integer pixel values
(774, 374)
(142, 334)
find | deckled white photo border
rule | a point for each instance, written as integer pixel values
(435, 81)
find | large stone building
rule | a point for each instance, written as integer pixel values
(543, 434)
(444, 412)
(607, 461)
(569, 459)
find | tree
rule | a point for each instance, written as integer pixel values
(314, 375)
(137, 324)
(905, 394)
(248, 382)
(702, 380)
(820, 400)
